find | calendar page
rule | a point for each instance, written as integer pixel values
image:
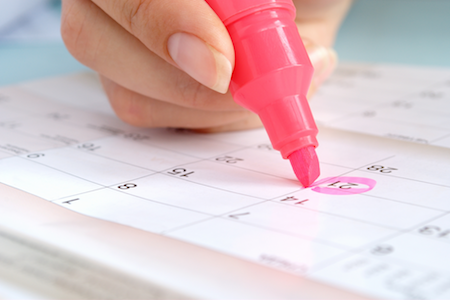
(405, 103)
(376, 221)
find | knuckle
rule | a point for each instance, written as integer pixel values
(135, 14)
(149, 21)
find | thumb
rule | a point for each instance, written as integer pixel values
(187, 34)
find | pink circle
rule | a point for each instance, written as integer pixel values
(344, 185)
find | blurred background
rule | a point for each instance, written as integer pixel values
(414, 32)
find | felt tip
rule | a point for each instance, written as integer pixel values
(305, 165)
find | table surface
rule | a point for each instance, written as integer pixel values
(390, 31)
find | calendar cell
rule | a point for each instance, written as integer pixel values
(258, 244)
(52, 128)
(181, 193)
(135, 153)
(235, 180)
(349, 153)
(41, 180)
(391, 129)
(258, 160)
(15, 143)
(437, 229)
(410, 249)
(413, 166)
(394, 188)
(89, 166)
(374, 210)
(135, 212)
(336, 230)
(386, 279)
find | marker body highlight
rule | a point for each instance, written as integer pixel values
(272, 76)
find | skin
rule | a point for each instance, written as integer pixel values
(125, 41)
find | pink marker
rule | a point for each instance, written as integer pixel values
(272, 76)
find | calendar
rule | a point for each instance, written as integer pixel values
(376, 221)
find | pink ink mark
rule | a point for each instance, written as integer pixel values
(344, 185)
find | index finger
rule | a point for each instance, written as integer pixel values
(187, 34)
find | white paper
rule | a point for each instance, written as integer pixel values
(404, 103)
(232, 193)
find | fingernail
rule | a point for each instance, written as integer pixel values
(201, 61)
(324, 61)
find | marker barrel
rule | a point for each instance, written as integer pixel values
(273, 71)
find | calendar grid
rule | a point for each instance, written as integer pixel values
(324, 242)
(231, 192)
(412, 204)
(227, 213)
(207, 159)
(381, 105)
(382, 240)
(441, 138)
(391, 116)
(422, 181)
(230, 212)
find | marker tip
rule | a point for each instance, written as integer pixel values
(306, 165)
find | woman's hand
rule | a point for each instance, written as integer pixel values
(168, 63)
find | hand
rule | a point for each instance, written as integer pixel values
(168, 63)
